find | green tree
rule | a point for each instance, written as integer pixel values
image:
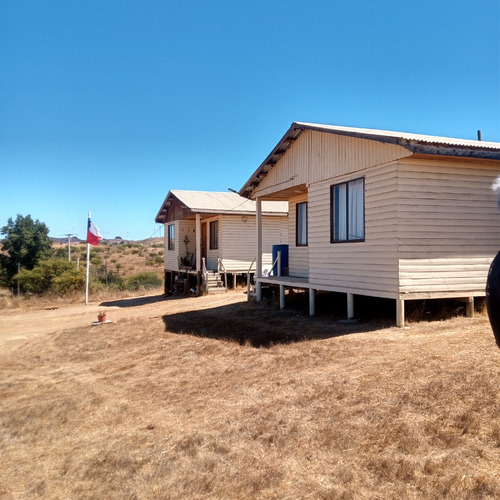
(26, 243)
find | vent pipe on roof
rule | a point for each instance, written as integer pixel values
(479, 135)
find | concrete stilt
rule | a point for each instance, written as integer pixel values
(312, 305)
(400, 313)
(350, 306)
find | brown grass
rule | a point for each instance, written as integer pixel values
(178, 399)
(124, 258)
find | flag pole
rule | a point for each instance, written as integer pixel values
(87, 271)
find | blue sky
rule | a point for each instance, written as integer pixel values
(106, 105)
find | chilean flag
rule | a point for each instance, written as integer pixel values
(93, 235)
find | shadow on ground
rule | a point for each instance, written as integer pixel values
(134, 301)
(262, 325)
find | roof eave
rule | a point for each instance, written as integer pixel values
(415, 146)
(160, 216)
(424, 148)
(278, 151)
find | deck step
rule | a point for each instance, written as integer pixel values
(214, 283)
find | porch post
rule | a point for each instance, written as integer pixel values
(198, 242)
(198, 253)
(350, 306)
(258, 271)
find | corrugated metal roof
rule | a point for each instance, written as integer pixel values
(416, 143)
(220, 203)
(375, 134)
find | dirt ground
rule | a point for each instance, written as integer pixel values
(19, 325)
(36, 318)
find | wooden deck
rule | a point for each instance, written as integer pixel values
(290, 281)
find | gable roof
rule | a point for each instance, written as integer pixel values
(209, 202)
(416, 143)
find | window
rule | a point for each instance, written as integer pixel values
(214, 235)
(301, 229)
(171, 237)
(348, 211)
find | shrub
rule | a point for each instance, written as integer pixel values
(53, 275)
(104, 277)
(145, 280)
(69, 281)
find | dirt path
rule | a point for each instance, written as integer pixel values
(20, 325)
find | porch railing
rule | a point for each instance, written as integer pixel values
(204, 273)
(277, 262)
(248, 278)
(221, 268)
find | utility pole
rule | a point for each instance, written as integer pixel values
(69, 236)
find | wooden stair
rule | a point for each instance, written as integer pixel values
(214, 283)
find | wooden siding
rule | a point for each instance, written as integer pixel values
(432, 226)
(298, 257)
(187, 227)
(236, 241)
(183, 228)
(317, 156)
(368, 267)
(238, 236)
(170, 256)
(449, 226)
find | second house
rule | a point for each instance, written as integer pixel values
(210, 238)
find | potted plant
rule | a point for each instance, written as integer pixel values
(101, 316)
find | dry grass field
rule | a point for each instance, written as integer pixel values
(217, 398)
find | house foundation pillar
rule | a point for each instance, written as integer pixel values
(312, 305)
(350, 306)
(469, 307)
(400, 313)
(167, 286)
(282, 296)
(258, 290)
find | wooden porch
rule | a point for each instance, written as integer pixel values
(302, 283)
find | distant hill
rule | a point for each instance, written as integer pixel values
(116, 255)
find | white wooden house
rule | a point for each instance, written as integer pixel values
(383, 214)
(209, 234)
